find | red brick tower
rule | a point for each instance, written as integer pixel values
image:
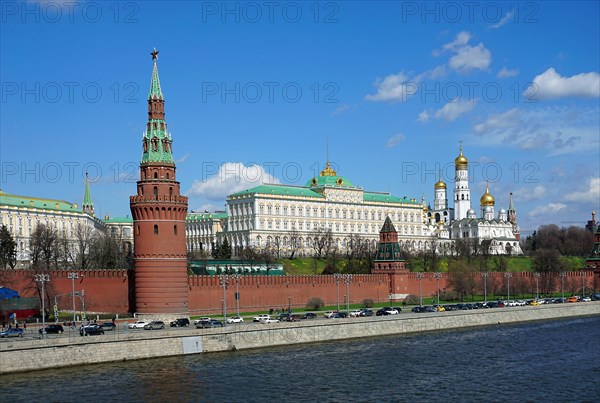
(158, 210)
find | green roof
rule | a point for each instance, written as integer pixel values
(119, 220)
(7, 199)
(205, 216)
(329, 181)
(87, 196)
(280, 190)
(386, 198)
(155, 90)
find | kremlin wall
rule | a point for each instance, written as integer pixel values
(112, 291)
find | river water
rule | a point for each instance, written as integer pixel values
(552, 361)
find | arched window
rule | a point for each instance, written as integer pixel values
(175, 229)
(155, 192)
(167, 175)
(138, 230)
(155, 229)
(170, 192)
(155, 175)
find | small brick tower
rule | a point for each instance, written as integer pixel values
(388, 259)
(158, 210)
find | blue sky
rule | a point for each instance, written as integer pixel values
(256, 90)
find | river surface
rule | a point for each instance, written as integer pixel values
(552, 361)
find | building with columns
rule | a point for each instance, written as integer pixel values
(284, 217)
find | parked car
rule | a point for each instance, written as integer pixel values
(534, 303)
(91, 330)
(309, 315)
(261, 317)
(572, 299)
(418, 309)
(204, 324)
(181, 322)
(366, 312)
(12, 332)
(329, 314)
(108, 326)
(586, 299)
(155, 325)
(235, 319)
(138, 325)
(340, 315)
(355, 313)
(201, 319)
(269, 320)
(595, 297)
(55, 329)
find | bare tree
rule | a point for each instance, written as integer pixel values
(321, 241)
(44, 248)
(294, 244)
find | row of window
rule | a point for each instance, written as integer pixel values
(330, 212)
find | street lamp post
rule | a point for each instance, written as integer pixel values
(73, 276)
(43, 278)
(562, 283)
(485, 276)
(508, 276)
(420, 277)
(337, 277)
(537, 285)
(347, 280)
(438, 276)
(224, 280)
(237, 293)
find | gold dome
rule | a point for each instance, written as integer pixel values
(487, 199)
(461, 161)
(439, 185)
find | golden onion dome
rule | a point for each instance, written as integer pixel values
(487, 199)
(439, 185)
(461, 161)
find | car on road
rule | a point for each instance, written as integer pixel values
(206, 324)
(534, 303)
(12, 332)
(91, 330)
(181, 322)
(138, 325)
(309, 315)
(366, 312)
(155, 325)
(340, 315)
(235, 319)
(355, 313)
(572, 299)
(201, 319)
(55, 329)
(108, 326)
(586, 299)
(269, 320)
(261, 317)
(329, 314)
(418, 309)
(386, 311)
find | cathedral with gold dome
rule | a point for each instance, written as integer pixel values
(449, 224)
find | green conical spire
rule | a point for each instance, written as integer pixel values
(88, 204)
(510, 203)
(155, 90)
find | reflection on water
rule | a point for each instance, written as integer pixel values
(547, 361)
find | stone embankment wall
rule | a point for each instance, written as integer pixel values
(22, 356)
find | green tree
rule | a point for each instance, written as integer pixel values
(8, 249)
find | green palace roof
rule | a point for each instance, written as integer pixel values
(7, 199)
(119, 220)
(387, 198)
(279, 190)
(205, 216)
(329, 181)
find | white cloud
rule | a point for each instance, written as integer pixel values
(550, 208)
(559, 130)
(424, 116)
(341, 109)
(503, 20)
(462, 38)
(394, 140)
(470, 58)
(527, 194)
(504, 73)
(393, 88)
(232, 177)
(452, 110)
(466, 58)
(183, 158)
(591, 194)
(551, 85)
(399, 87)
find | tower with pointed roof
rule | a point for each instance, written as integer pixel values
(88, 205)
(512, 217)
(159, 211)
(462, 193)
(389, 254)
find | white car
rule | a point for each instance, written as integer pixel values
(269, 320)
(355, 313)
(201, 320)
(329, 314)
(261, 317)
(138, 325)
(586, 299)
(235, 319)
